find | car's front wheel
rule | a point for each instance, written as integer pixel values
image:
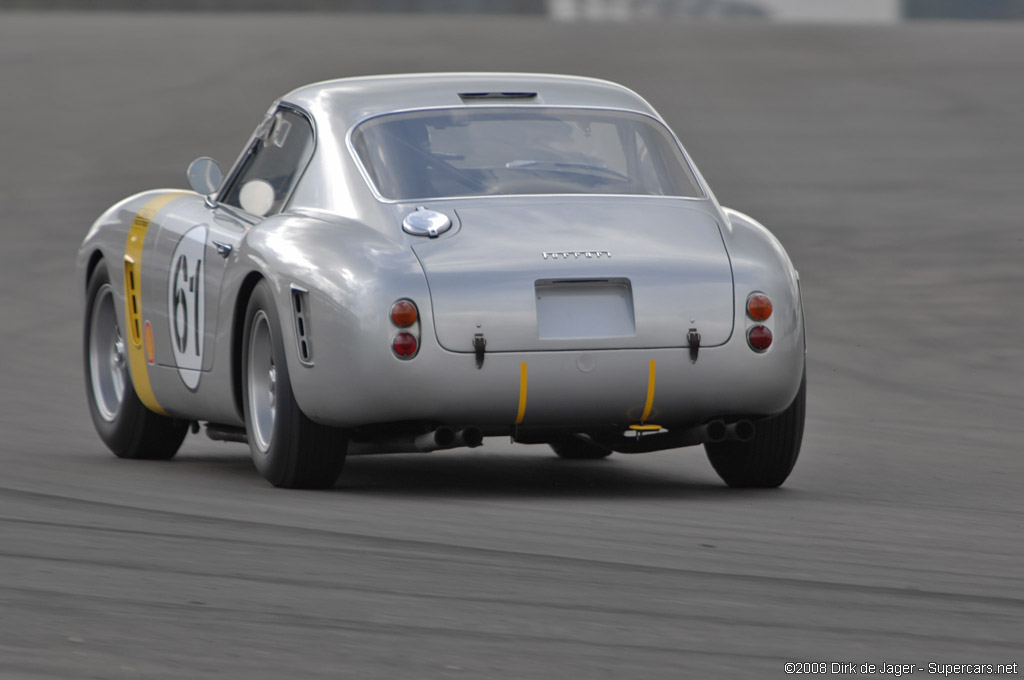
(288, 449)
(125, 425)
(766, 460)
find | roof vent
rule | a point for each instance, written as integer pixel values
(471, 97)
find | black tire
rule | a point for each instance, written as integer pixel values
(766, 460)
(125, 425)
(575, 448)
(288, 449)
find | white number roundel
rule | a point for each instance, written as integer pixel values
(186, 305)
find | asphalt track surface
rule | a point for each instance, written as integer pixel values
(888, 161)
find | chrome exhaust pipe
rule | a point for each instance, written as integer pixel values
(716, 431)
(435, 440)
(470, 437)
(441, 438)
(741, 431)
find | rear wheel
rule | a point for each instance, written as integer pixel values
(288, 449)
(575, 448)
(766, 460)
(125, 425)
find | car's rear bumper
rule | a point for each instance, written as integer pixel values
(570, 390)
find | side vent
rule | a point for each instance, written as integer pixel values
(131, 294)
(303, 336)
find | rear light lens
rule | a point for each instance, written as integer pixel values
(405, 345)
(759, 307)
(759, 338)
(404, 313)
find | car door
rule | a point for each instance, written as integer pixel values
(199, 240)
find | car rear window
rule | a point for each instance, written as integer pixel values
(521, 150)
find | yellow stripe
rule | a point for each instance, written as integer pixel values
(650, 393)
(133, 297)
(522, 393)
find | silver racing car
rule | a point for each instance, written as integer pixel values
(416, 262)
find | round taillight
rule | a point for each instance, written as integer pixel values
(405, 344)
(404, 313)
(759, 338)
(759, 307)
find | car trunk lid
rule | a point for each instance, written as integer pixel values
(621, 274)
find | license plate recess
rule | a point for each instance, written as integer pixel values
(591, 308)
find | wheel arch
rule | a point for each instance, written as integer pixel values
(249, 284)
(95, 258)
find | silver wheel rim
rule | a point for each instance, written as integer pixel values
(108, 364)
(262, 381)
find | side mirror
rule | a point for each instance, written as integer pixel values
(256, 197)
(204, 175)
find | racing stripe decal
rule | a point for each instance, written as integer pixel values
(522, 393)
(650, 393)
(133, 297)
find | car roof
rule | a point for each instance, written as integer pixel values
(347, 101)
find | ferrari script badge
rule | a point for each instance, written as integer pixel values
(576, 254)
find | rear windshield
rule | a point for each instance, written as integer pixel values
(503, 151)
